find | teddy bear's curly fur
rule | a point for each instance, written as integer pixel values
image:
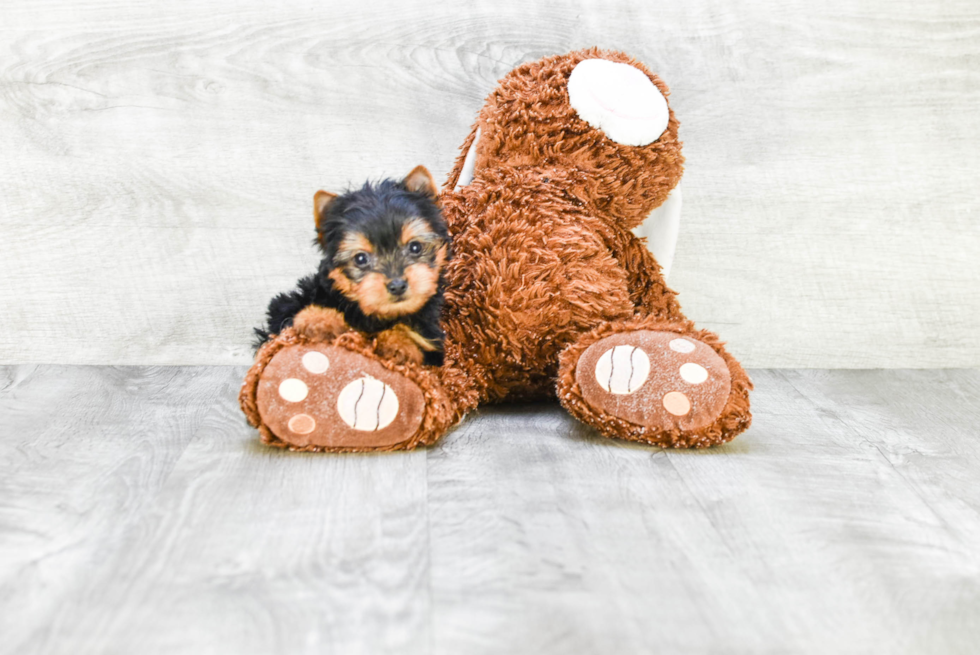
(549, 295)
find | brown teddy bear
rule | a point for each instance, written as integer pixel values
(549, 293)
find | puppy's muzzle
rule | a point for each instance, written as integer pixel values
(397, 287)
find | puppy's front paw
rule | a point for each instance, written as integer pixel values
(320, 323)
(398, 345)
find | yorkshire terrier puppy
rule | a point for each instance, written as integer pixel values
(384, 249)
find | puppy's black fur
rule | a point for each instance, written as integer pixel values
(378, 213)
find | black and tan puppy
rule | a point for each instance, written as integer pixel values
(384, 248)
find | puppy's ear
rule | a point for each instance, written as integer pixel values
(420, 179)
(321, 200)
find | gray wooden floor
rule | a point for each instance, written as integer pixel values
(138, 514)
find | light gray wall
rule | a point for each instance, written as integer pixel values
(158, 164)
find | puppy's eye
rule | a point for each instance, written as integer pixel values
(360, 259)
(414, 247)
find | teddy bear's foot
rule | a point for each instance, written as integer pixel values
(662, 387)
(313, 396)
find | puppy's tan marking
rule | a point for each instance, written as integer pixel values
(398, 345)
(423, 281)
(343, 283)
(441, 255)
(371, 294)
(423, 343)
(402, 308)
(353, 243)
(320, 323)
(416, 229)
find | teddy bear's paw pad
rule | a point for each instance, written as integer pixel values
(622, 370)
(368, 405)
(660, 380)
(618, 99)
(333, 398)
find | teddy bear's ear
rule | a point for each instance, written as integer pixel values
(420, 179)
(321, 200)
(618, 99)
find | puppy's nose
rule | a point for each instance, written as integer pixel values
(397, 287)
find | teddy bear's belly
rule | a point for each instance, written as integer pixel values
(519, 292)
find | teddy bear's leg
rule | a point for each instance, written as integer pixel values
(655, 381)
(341, 395)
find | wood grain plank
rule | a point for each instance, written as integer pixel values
(800, 536)
(233, 548)
(164, 162)
(139, 513)
(84, 453)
